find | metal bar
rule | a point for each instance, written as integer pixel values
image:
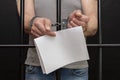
(103, 45)
(58, 20)
(22, 38)
(32, 46)
(22, 20)
(100, 39)
(58, 13)
(17, 46)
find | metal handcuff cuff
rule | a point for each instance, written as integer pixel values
(63, 23)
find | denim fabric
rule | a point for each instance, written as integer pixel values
(35, 73)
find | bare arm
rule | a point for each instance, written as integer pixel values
(87, 19)
(40, 26)
(90, 10)
(29, 13)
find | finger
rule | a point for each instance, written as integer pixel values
(50, 33)
(78, 14)
(78, 22)
(82, 24)
(73, 24)
(36, 30)
(69, 26)
(40, 26)
(72, 15)
(34, 34)
(47, 24)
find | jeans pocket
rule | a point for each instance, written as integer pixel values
(30, 69)
(80, 72)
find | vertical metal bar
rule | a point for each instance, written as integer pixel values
(58, 14)
(22, 20)
(22, 69)
(58, 20)
(100, 40)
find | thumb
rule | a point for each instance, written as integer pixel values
(72, 15)
(47, 24)
(78, 14)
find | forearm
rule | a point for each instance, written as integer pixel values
(28, 13)
(91, 26)
(90, 10)
(18, 6)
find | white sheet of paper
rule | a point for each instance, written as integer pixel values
(67, 47)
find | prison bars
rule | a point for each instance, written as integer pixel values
(100, 45)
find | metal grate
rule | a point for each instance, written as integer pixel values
(100, 45)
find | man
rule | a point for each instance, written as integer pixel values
(40, 14)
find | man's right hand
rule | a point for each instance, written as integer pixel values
(40, 27)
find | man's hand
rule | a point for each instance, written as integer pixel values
(41, 26)
(76, 18)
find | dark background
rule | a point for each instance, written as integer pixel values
(10, 58)
(111, 30)
(9, 34)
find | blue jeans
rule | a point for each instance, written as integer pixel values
(35, 73)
